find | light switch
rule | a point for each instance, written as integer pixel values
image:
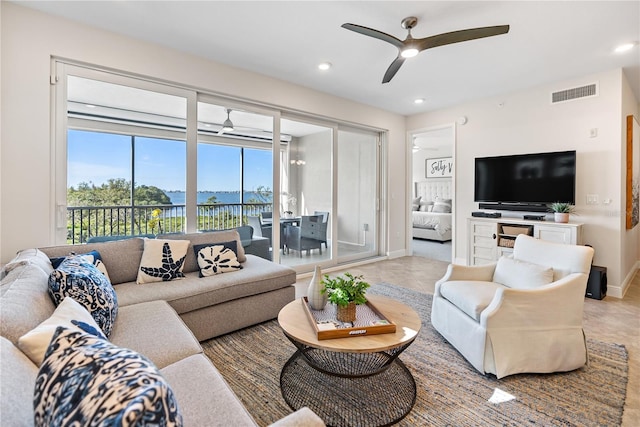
(592, 199)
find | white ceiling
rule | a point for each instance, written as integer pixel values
(548, 41)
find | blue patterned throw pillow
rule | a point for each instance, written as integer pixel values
(85, 380)
(79, 279)
(216, 258)
(93, 257)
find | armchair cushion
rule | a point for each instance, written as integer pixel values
(519, 274)
(470, 296)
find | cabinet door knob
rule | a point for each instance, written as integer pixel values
(494, 236)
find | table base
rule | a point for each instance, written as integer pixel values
(383, 398)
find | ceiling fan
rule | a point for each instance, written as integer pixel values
(410, 47)
(227, 126)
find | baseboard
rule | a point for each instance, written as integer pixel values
(619, 291)
(397, 254)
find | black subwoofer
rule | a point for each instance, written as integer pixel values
(597, 283)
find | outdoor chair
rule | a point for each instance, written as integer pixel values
(325, 224)
(306, 236)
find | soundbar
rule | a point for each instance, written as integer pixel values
(481, 214)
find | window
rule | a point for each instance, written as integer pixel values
(101, 200)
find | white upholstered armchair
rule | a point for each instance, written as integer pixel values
(521, 314)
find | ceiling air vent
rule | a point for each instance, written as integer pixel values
(574, 93)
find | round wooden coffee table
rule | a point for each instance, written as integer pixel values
(355, 381)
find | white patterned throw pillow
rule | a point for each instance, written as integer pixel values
(77, 278)
(69, 314)
(85, 380)
(216, 258)
(162, 260)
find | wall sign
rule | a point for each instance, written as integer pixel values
(439, 168)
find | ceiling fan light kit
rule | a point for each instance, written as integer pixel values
(410, 47)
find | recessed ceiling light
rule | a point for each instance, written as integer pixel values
(89, 105)
(324, 66)
(418, 101)
(624, 47)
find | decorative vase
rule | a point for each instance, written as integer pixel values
(346, 314)
(561, 217)
(317, 299)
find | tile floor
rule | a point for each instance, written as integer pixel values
(609, 320)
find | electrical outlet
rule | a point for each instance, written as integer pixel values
(593, 132)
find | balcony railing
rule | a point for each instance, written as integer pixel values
(85, 222)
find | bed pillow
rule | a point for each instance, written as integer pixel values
(518, 274)
(442, 205)
(93, 257)
(415, 203)
(86, 380)
(81, 280)
(162, 260)
(216, 258)
(69, 314)
(426, 206)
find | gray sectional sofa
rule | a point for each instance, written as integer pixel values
(163, 321)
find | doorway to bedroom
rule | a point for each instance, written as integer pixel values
(432, 193)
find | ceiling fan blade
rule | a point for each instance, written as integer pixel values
(375, 34)
(393, 69)
(461, 36)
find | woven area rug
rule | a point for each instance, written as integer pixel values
(450, 391)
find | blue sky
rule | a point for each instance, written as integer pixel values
(97, 157)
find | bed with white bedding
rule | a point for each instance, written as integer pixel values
(431, 215)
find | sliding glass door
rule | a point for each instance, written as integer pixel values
(136, 157)
(357, 194)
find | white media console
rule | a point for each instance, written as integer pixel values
(490, 238)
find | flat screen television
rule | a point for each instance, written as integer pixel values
(525, 182)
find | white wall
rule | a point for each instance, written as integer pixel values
(630, 238)
(525, 122)
(30, 38)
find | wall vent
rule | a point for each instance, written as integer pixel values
(574, 93)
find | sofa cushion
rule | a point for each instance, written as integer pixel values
(162, 260)
(125, 254)
(190, 263)
(257, 276)
(16, 388)
(519, 274)
(86, 380)
(216, 258)
(81, 280)
(92, 256)
(28, 256)
(69, 314)
(146, 327)
(23, 287)
(470, 296)
(214, 404)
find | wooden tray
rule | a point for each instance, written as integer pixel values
(369, 321)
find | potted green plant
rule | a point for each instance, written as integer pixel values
(345, 292)
(561, 211)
